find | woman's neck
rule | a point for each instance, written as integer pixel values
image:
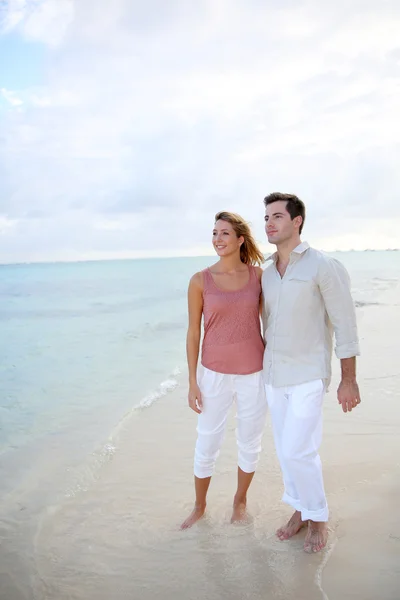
(230, 264)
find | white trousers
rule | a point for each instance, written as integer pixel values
(296, 413)
(218, 394)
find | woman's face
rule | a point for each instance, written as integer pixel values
(224, 239)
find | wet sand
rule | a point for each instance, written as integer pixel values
(120, 537)
(365, 463)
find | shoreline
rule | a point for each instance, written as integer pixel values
(357, 447)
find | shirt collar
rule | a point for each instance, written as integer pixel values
(300, 249)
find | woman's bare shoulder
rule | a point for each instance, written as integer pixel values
(259, 271)
(197, 280)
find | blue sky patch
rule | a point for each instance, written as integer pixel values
(22, 63)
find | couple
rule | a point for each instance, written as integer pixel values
(303, 296)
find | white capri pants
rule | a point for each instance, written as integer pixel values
(296, 414)
(218, 392)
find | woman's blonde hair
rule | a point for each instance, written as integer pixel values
(250, 254)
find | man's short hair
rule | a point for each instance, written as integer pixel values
(294, 206)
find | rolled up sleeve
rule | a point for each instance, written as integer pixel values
(334, 284)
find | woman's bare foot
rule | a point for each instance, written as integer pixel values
(292, 527)
(194, 516)
(317, 536)
(239, 514)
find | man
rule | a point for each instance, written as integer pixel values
(306, 297)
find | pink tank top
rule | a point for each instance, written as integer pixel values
(232, 340)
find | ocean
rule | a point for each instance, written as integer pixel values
(83, 345)
(85, 350)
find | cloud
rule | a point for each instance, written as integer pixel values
(11, 97)
(156, 115)
(11, 14)
(43, 20)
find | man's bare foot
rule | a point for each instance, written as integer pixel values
(317, 536)
(239, 514)
(292, 527)
(194, 516)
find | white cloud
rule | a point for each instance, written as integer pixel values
(41, 101)
(6, 224)
(11, 97)
(156, 115)
(12, 12)
(43, 20)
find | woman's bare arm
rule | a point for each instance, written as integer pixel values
(195, 308)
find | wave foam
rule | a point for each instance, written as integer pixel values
(163, 389)
(362, 303)
(90, 470)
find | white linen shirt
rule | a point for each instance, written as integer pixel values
(300, 312)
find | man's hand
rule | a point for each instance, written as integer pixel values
(348, 394)
(194, 398)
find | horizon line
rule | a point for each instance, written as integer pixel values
(128, 258)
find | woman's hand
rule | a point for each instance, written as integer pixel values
(194, 398)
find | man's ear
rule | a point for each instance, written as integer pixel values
(298, 221)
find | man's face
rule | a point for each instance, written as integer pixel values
(279, 227)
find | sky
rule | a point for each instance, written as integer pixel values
(126, 125)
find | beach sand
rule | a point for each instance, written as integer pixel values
(120, 539)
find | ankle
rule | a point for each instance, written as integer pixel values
(239, 500)
(317, 524)
(200, 505)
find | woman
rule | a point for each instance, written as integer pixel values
(228, 295)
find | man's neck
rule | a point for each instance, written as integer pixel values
(285, 249)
